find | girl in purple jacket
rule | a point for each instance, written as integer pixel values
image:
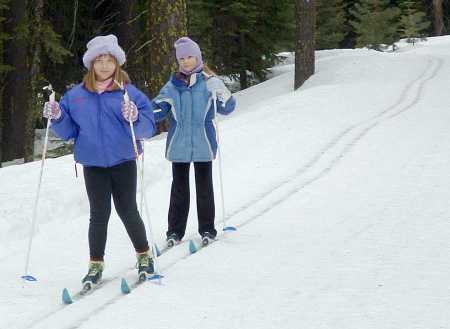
(96, 116)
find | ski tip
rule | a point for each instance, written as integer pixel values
(158, 252)
(66, 297)
(192, 247)
(155, 276)
(29, 278)
(229, 228)
(124, 287)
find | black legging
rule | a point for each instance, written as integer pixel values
(180, 197)
(120, 182)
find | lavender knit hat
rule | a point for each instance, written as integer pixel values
(103, 45)
(185, 47)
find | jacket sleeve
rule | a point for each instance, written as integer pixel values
(226, 108)
(65, 128)
(144, 126)
(163, 104)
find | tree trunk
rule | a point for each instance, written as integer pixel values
(35, 73)
(305, 46)
(2, 88)
(243, 78)
(438, 18)
(16, 94)
(128, 34)
(167, 23)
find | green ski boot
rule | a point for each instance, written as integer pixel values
(94, 275)
(144, 265)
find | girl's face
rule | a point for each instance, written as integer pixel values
(189, 63)
(104, 67)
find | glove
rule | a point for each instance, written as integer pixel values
(130, 111)
(51, 110)
(223, 95)
(218, 88)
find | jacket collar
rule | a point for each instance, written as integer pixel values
(181, 83)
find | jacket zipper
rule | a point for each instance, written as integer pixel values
(100, 130)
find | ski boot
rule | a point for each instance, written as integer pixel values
(207, 237)
(144, 265)
(172, 240)
(94, 275)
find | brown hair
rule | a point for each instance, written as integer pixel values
(119, 75)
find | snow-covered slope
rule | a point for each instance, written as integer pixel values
(339, 191)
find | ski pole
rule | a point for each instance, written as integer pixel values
(144, 205)
(27, 276)
(143, 198)
(141, 173)
(155, 276)
(225, 227)
(126, 99)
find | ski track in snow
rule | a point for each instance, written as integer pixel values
(320, 164)
(336, 149)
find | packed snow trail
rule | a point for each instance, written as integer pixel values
(340, 191)
(336, 149)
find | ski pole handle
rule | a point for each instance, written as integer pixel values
(51, 98)
(126, 99)
(136, 153)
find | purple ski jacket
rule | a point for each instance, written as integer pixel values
(101, 134)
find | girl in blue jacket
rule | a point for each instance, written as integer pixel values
(188, 98)
(95, 115)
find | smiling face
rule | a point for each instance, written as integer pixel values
(189, 63)
(104, 67)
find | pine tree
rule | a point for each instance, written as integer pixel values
(413, 22)
(4, 68)
(167, 22)
(376, 24)
(3, 38)
(127, 33)
(305, 49)
(35, 103)
(69, 24)
(17, 87)
(33, 40)
(438, 13)
(241, 37)
(330, 24)
(224, 28)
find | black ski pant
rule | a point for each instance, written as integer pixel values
(119, 182)
(180, 197)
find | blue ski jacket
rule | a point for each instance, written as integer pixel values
(101, 134)
(192, 134)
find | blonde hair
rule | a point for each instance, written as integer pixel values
(208, 70)
(119, 75)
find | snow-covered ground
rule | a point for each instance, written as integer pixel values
(340, 192)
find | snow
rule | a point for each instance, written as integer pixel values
(339, 192)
